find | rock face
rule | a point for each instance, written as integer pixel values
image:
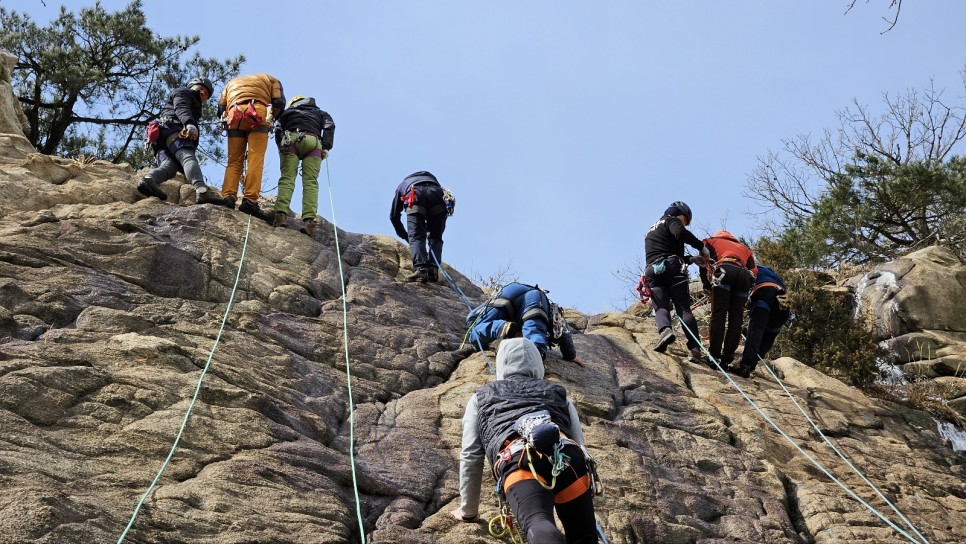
(111, 305)
(915, 305)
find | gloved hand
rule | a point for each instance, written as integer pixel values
(325, 154)
(192, 131)
(705, 252)
(221, 111)
(403, 234)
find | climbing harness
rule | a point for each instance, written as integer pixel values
(796, 446)
(204, 371)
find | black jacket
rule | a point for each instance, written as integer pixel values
(398, 207)
(667, 238)
(183, 106)
(305, 116)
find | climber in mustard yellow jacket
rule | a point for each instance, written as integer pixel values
(248, 106)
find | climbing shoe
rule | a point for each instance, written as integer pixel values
(252, 209)
(279, 218)
(308, 227)
(148, 187)
(667, 336)
(433, 274)
(419, 275)
(228, 202)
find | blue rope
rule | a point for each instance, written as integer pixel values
(348, 373)
(790, 440)
(469, 306)
(839, 453)
(201, 378)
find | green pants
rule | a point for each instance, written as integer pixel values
(289, 163)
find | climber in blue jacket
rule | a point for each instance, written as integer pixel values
(521, 308)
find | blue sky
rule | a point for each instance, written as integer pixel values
(565, 128)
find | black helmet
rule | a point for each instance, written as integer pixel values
(682, 208)
(204, 82)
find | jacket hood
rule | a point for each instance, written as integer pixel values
(518, 357)
(307, 101)
(724, 234)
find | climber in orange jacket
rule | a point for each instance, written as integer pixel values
(729, 276)
(248, 106)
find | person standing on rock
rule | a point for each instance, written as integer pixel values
(174, 138)
(305, 134)
(247, 107)
(768, 312)
(425, 202)
(521, 308)
(666, 273)
(527, 428)
(729, 276)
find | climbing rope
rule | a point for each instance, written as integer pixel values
(792, 442)
(194, 398)
(469, 306)
(348, 373)
(839, 453)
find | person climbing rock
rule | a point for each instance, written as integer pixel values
(247, 108)
(423, 200)
(667, 275)
(729, 275)
(304, 134)
(524, 427)
(174, 138)
(524, 309)
(768, 312)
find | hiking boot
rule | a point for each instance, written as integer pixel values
(308, 227)
(508, 330)
(207, 195)
(279, 218)
(252, 209)
(433, 274)
(419, 275)
(148, 187)
(228, 202)
(745, 370)
(696, 356)
(667, 336)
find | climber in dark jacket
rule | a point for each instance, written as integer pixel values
(422, 198)
(666, 272)
(768, 313)
(305, 134)
(176, 141)
(526, 309)
(521, 414)
(729, 276)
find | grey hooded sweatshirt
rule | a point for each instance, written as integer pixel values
(515, 357)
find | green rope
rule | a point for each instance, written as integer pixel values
(204, 371)
(348, 374)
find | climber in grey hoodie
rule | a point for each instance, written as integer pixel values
(520, 413)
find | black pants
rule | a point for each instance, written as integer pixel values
(728, 300)
(672, 287)
(425, 231)
(533, 505)
(766, 318)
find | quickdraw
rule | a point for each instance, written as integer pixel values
(644, 290)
